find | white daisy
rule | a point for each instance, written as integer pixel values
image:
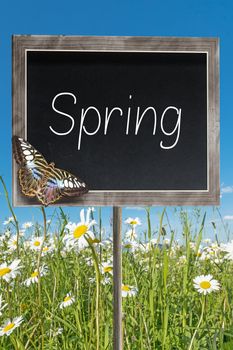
(206, 284)
(92, 279)
(5, 236)
(35, 243)
(47, 249)
(107, 243)
(35, 275)
(67, 301)
(228, 248)
(56, 332)
(12, 243)
(2, 305)
(182, 259)
(130, 246)
(89, 261)
(77, 231)
(9, 325)
(192, 245)
(128, 291)
(106, 280)
(207, 241)
(131, 234)
(133, 222)
(107, 267)
(91, 209)
(27, 225)
(8, 221)
(8, 272)
(166, 241)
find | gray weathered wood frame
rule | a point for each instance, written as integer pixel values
(211, 196)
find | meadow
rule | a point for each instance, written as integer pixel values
(57, 293)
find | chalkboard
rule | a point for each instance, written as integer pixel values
(139, 125)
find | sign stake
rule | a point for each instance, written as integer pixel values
(117, 279)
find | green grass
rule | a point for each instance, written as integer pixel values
(165, 313)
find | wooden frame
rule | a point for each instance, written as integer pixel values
(151, 44)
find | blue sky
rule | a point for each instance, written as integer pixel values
(122, 17)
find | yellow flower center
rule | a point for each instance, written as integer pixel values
(14, 242)
(8, 327)
(133, 222)
(34, 274)
(4, 271)
(125, 288)
(80, 230)
(36, 243)
(205, 285)
(108, 269)
(45, 249)
(67, 298)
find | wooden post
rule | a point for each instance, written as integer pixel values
(117, 280)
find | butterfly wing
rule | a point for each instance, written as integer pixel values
(38, 178)
(60, 183)
(32, 166)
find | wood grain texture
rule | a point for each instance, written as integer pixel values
(143, 44)
(117, 279)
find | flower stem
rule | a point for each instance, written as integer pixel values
(39, 276)
(97, 272)
(12, 213)
(199, 323)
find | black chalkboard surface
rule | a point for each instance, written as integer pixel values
(117, 160)
(122, 120)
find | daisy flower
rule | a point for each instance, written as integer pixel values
(8, 272)
(35, 243)
(106, 280)
(133, 222)
(92, 209)
(67, 301)
(12, 243)
(182, 259)
(77, 231)
(131, 246)
(27, 225)
(228, 248)
(8, 221)
(131, 234)
(205, 284)
(47, 249)
(207, 241)
(107, 267)
(9, 325)
(128, 291)
(56, 332)
(35, 274)
(107, 243)
(5, 236)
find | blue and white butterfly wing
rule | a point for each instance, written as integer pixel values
(43, 180)
(32, 166)
(60, 183)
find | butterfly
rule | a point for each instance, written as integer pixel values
(41, 179)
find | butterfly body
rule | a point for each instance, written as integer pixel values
(43, 180)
